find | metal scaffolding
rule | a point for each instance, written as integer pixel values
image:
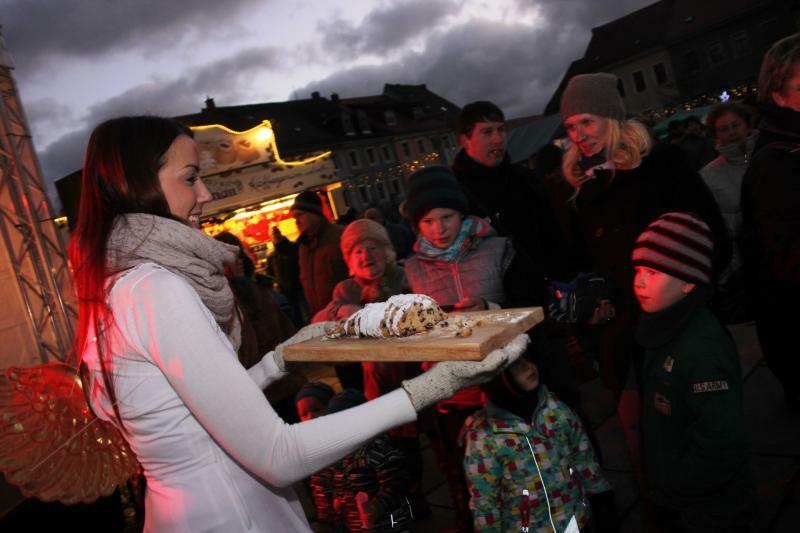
(37, 301)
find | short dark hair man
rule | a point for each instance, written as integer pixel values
(510, 196)
(320, 258)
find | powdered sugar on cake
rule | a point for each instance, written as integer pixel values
(399, 316)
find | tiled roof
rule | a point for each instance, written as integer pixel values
(317, 122)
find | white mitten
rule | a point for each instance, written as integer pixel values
(309, 332)
(447, 377)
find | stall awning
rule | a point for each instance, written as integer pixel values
(527, 139)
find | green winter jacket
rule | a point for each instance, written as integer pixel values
(695, 442)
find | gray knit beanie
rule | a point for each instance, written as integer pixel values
(593, 93)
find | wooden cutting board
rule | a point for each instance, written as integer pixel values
(496, 329)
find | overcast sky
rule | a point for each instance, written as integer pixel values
(79, 62)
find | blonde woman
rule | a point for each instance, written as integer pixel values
(622, 183)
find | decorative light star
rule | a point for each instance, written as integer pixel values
(724, 97)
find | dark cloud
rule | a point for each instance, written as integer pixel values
(385, 28)
(583, 14)
(48, 113)
(514, 65)
(229, 81)
(37, 31)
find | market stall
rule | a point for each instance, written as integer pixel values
(253, 186)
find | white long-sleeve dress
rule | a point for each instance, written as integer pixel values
(216, 455)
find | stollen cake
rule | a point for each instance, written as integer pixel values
(399, 316)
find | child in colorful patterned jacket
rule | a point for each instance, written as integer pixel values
(527, 439)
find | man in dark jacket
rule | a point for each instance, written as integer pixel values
(322, 267)
(515, 201)
(771, 215)
(510, 196)
(321, 263)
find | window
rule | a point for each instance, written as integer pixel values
(363, 121)
(446, 142)
(364, 193)
(638, 81)
(692, 61)
(381, 190)
(386, 153)
(395, 183)
(621, 87)
(421, 145)
(406, 149)
(337, 161)
(417, 112)
(740, 44)
(391, 117)
(715, 52)
(354, 162)
(371, 156)
(347, 124)
(660, 73)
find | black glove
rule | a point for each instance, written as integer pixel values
(574, 302)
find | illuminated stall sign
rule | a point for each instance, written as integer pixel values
(244, 167)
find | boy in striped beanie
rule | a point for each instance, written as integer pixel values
(695, 443)
(677, 249)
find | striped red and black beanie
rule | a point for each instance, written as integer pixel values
(433, 187)
(677, 244)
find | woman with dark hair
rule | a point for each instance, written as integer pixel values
(158, 333)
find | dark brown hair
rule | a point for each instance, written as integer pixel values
(728, 107)
(475, 112)
(120, 175)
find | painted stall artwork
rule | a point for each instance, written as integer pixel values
(242, 168)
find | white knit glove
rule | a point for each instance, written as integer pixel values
(447, 377)
(309, 332)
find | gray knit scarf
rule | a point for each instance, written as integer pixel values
(138, 238)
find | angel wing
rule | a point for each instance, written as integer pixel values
(51, 444)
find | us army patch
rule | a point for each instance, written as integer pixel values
(662, 404)
(668, 362)
(709, 386)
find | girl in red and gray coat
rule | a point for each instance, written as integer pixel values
(459, 261)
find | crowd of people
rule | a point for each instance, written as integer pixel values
(640, 250)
